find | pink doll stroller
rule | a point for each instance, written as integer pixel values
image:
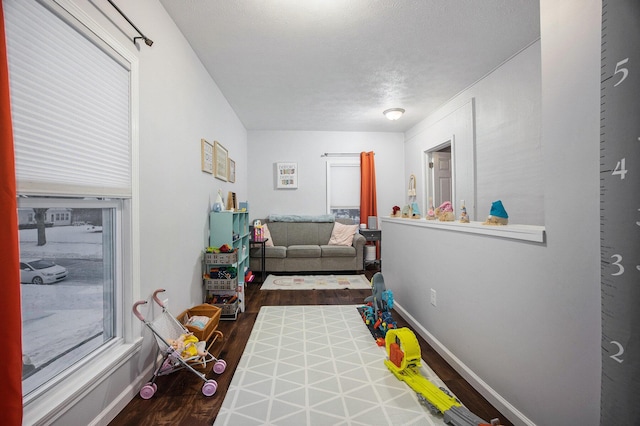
(180, 350)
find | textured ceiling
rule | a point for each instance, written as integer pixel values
(337, 64)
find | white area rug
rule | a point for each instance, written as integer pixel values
(318, 365)
(315, 282)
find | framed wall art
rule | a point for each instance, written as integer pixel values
(221, 156)
(206, 153)
(286, 175)
(232, 171)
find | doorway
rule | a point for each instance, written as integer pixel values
(439, 175)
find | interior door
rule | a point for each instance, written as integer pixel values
(441, 177)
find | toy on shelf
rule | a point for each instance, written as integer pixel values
(404, 361)
(395, 211)
(258, 232)
(497, 215)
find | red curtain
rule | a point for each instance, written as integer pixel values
(368, 199)
(10, 316)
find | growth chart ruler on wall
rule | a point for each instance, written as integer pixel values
(620, 212)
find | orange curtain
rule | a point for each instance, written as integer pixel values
(368, 199)
(10, 316)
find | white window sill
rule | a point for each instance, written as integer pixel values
(89, 373)
(532, 233)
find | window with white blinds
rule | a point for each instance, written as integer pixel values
(70, 107)
(343, 190)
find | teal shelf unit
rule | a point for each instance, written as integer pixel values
(231, 228)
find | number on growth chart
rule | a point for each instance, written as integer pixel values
(624, 71)
(617, 355)
(620, 169)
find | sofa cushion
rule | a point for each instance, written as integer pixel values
(304, 251)
(337, 251)
(342, 235)
(278, 252)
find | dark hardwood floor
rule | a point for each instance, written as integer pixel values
(179, 400)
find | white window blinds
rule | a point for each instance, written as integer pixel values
(344, 185)
(70, 107)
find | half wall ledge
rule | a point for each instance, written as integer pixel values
(533, 233)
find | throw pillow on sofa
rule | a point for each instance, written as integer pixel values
(342, 235)
(266, 234)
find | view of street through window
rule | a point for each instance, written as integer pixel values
(62, 321)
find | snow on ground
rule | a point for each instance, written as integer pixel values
(58, 317)
(62, 242)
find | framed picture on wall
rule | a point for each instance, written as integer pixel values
(286, 175)
(232, 170)
(221, 156)
(206, 152)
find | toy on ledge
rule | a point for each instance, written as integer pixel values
(444, 213)
(431, 213)
(497, 215)
(395, 211)
(415, 211)
(464, 218)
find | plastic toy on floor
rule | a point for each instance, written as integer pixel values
(180, 349)
(404, 361)
(376, 311)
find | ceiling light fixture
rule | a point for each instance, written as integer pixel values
(393, 113)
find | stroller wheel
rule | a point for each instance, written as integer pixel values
(210, 387)
(148, 390)
(219, 366)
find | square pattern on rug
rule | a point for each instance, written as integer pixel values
(315, 282)
(318, 365)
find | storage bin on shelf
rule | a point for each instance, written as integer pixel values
(221, 258)
(228, 303)
(206, 310)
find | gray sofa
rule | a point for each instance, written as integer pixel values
(303, 247)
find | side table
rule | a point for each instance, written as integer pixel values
(261, 242)
(375, 236)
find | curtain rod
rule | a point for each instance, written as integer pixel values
(341, 154)
(146, 39)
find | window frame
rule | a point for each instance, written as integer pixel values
(329, 165)
(50, 401)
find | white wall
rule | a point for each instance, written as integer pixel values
(179, 105)
(497, 120)
(522, 320)
(269, 147)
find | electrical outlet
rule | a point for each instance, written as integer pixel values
(433, 297)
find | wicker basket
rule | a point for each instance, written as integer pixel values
(211, 311)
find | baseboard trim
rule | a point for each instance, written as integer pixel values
(513, 414)
(118, 404)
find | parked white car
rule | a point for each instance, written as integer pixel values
(94, 228)
(40, 271)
